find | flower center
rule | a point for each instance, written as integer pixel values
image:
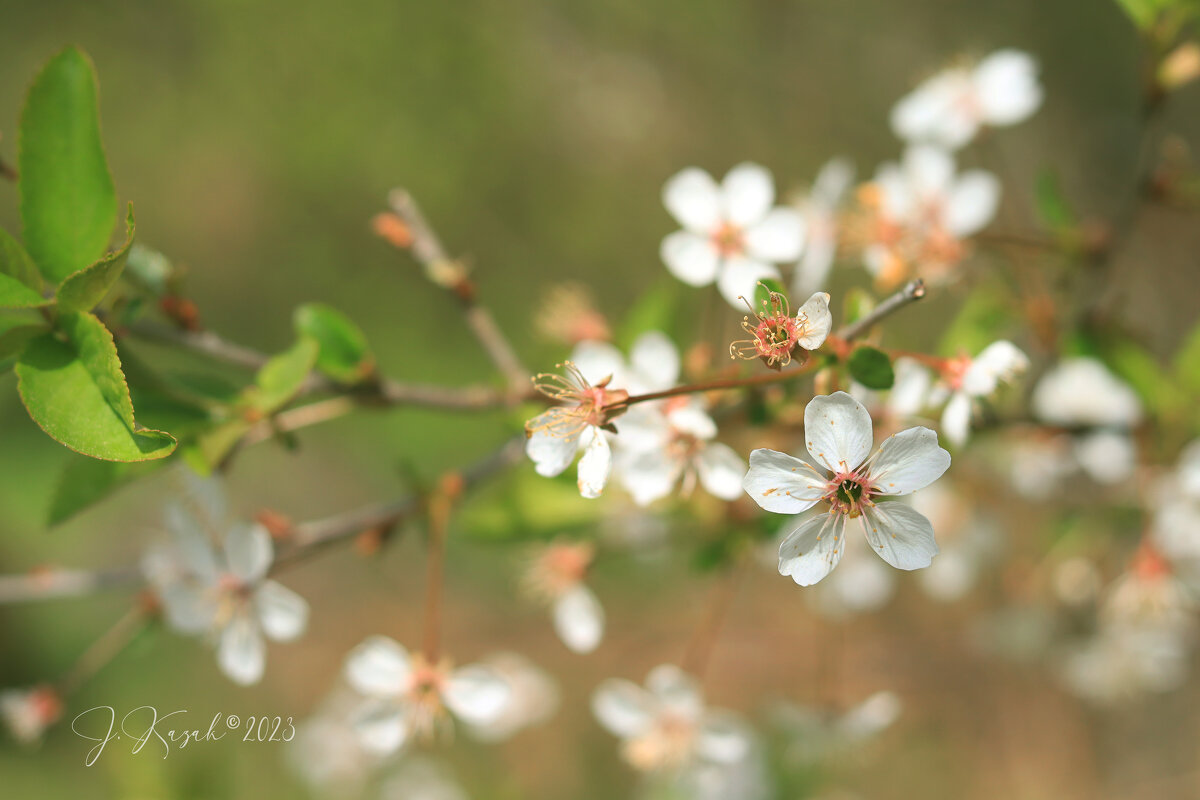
(776, 334)
(849, 493)
(728, 239)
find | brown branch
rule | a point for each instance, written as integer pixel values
(104, 649)
(449, 274)
(911, 292)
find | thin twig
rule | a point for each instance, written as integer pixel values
(104, 650)
(699, 648)
(50, 584)
(911, 292)
(429, 251)
(727, 383)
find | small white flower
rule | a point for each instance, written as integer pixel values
(776, 335)
(420, 779)
(1107, 456)
(922, 213)
(949, 108)
(535, 697)
(327, 751)
(731, 233)
(818, 734)
(838, 433)
(820, 212)
(1081, 392)
(1149, 596)
(1121, 663)
(967, 542)
(556, 577)
(968, 379)
(27, 713)
(659, 447)
(666, 726)
(410, 698)
(1176, 504)
(212, 580)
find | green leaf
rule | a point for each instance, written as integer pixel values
(13, 341)
(281, 378)
(1145, 13)
(654, 310)
(16, 263)
(211, 447)
(1187, 362)
(87, 481)
(872, 368)
(72, 385)
(857, 304)
(68, 203)
(82, 290)
(343, 351)
(14, 294)
(762, 292)
(1052, 207)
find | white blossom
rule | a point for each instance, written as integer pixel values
(731, 233)
(970, 379)
(951, 107)
(820, 211)
(27, 713)
(408, 697)
(838, 433)
(1081, 392)
(556, 577)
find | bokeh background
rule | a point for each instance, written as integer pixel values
(257, 140)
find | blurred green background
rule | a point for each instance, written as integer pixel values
(257, 139)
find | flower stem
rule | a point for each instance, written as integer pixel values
(728, 383)
(104, 649)
(440, 504)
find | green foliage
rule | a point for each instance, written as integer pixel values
(68, 203)
(86, 481)
(16, 263)
(1145, 13)
(71, 383)
(654, 310)
(82, 290)
(1052, 207)
(343, 351)
(872, 368)
(986, 316)
(527, 506)
(1186, 366)
(281, 378)
(14, 294)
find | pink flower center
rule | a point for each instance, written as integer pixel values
(850, 493)
(728, 239)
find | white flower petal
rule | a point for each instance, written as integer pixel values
(910, 391)
(971, 203)
(1081, 391)
(956, 419)
(643, 427)
(477, 694)
(778, 237)
(747, 193)
(379, 666)
(929, 170)
(623, 708)
(739, 278)
(598, 360)
(189, 608)
(282, 613)
(838, 431)
(676, 691)
(692, 420)
(907, 461)
(691, 258)
(550, 453)
(901, 535)
(810, 552)
(579, 619)
(655, 359)
(241, 652)
(694, 199)
(1007, 87)
(920, 114)
(819, 321)
(781, 483)
(721, 471)
(193, 541)
(649, 475)
(596, 463)
(248, 551)
(382, 728)
(723, 738)
(998, 362)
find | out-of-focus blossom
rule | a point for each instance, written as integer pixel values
(1149, 596)
(568, 315)
(408, 697)
(556, 577)
(776, 335)
(327, 750)
(421, 779)
(731, 233)
(967, 541)
(814, 734)
(535, 697)
(820, 211)
(1106, 456)
(1038, 464)
(838, 433)
(666, 725)
(861, 586)
(653, 363)
(1076, 581)
(949, 108)
(1176, 504)
(1081, 392)
(211, 579)
(662, 446)
(968, 379)
(1122, 663)
(27, 713)
(920, 213)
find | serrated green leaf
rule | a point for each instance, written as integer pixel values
(343, 351)
(82, 290)
(68, 203)
(281, 378)
(14, 294)
(16, 263)
(762, 292)
(86, 481)
(872, 368)
(72, 385)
